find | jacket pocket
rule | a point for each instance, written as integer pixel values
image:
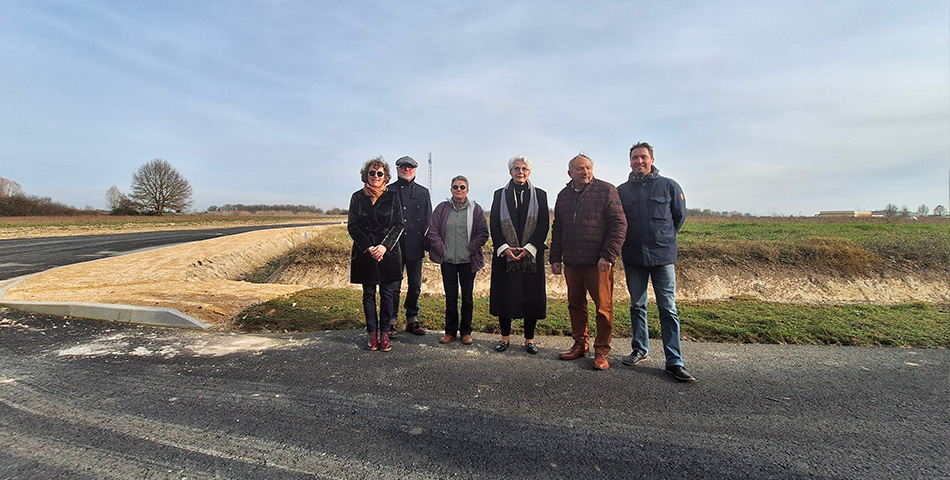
(660, 207)
(631, 207)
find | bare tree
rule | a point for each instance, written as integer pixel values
(923, 210)
(114, 198)
(157, 187)
(890, 210)
(9, 188)
(118, 203)
(940, 211)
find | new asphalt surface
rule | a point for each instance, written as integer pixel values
(88, 399)
(23, 256)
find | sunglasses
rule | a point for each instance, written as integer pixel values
(376, 173)
(458, 187)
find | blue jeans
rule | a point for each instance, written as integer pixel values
(664, 286)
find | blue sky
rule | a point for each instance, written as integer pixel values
(763, 107)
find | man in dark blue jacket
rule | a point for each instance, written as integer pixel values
(416, 212)
(655, 209)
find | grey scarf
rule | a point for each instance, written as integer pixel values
(527, 264)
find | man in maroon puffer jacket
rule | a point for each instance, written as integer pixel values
(587, 236)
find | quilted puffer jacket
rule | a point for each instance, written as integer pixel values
(588, 225)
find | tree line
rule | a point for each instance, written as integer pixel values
(14, 202)
(239, 207)
(158, 188)
(923, 210)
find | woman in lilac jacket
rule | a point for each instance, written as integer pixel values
(457, 232)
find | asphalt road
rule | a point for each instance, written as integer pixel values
(86, 399)
(20, 257)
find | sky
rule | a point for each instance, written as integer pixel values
(768, 108)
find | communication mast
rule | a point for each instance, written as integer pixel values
(430, 171)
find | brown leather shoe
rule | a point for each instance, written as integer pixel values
(415, 328)
(467, 340)
(600, 362)
(577, 351)
(447, 338)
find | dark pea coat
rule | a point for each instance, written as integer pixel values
(370, 225)
(416, 213)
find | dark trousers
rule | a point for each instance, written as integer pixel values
(387, 292)
(414, 278)
(529, 325)
(454, 277)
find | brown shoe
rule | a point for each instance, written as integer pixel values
(600, 362)
(467, 340)
(447, 338)
(415, 329)
(577, 351)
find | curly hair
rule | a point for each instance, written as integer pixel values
(372, 164)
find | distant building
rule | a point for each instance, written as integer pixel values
(846, 213)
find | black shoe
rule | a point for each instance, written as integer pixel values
(501, 346)
(531, 348)
(634, 359)
(680, 373)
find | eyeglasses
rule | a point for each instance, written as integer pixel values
(458, 187)
(376, 173)
(520, 169)
(406, 167)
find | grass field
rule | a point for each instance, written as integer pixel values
(848, 243)
(55, 226)
(736, 321)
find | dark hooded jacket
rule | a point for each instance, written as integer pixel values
(655, 209)
(372, 224)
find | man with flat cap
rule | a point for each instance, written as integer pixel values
(416, 212)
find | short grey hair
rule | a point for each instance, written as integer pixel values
(459, 178)
(570, 163)
(521, 158)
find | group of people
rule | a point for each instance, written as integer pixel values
(393, 225)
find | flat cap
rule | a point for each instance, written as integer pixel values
(406, 161)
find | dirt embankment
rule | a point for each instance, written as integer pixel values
(201, 279)
(703, 281)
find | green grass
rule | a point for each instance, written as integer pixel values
(737, 321)
(850, 244)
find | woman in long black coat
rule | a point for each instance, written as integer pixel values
(375, 225)
(519, 228)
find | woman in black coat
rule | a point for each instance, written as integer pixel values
(519, 228)
(375, 225)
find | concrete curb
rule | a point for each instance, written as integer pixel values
(155, 316)
(163, 317)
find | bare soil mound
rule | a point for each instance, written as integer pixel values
(699, 281)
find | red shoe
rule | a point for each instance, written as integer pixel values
(384, 344)
(372, 345)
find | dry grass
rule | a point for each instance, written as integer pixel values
(61, 226)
